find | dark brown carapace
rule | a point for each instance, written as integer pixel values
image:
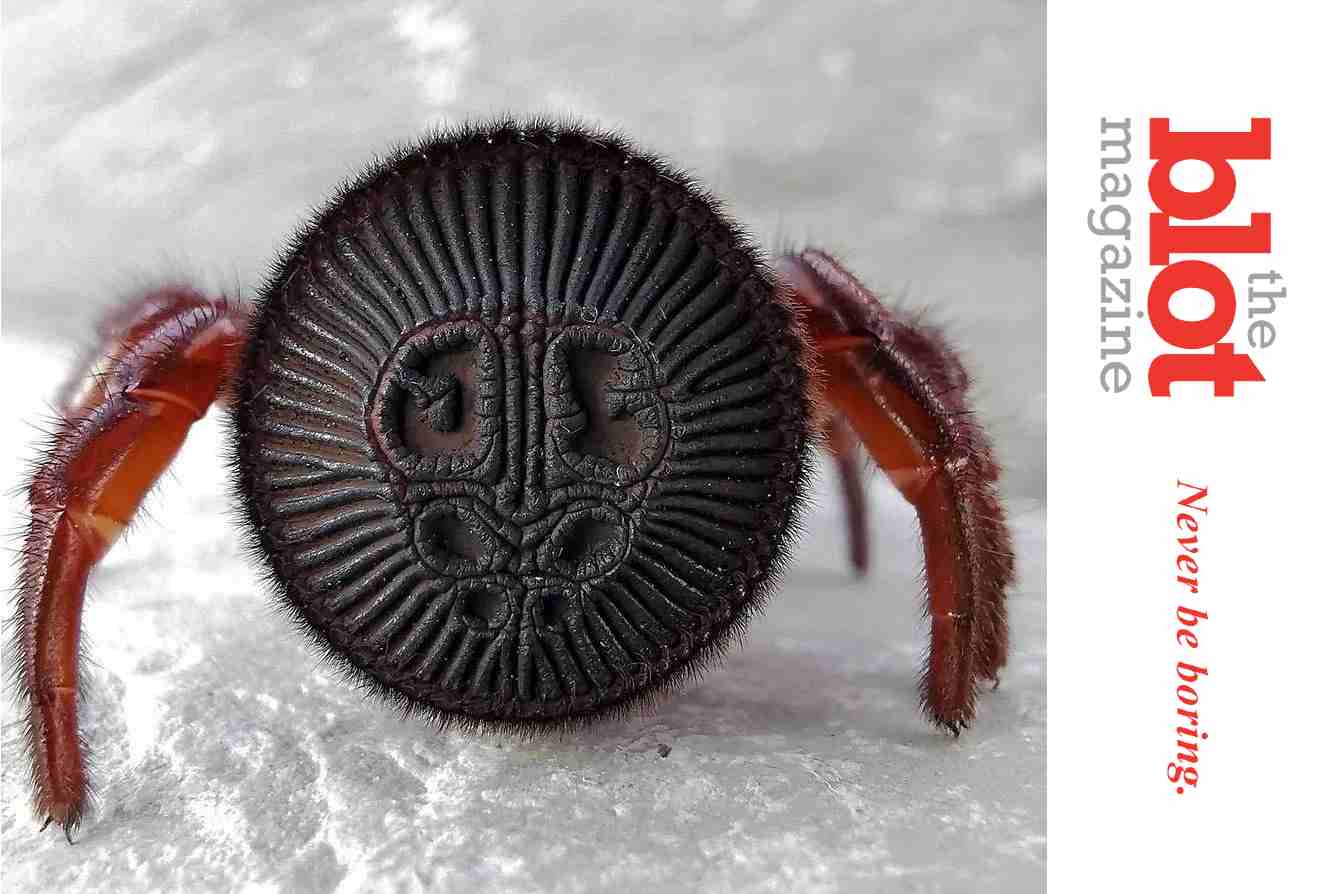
(522, 423)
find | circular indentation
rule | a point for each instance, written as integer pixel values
(436, 411)
(552, 607)
(486, 604)
(608, 422)
(456, 541)
(587, 543)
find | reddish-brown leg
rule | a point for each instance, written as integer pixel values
(166, 357)
(904, 392)
(840, 441)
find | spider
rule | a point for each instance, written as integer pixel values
(522, 423)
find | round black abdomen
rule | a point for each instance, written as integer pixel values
(522, 425)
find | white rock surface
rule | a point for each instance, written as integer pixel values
(230, 758)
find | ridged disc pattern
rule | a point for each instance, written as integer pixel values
(521, 425)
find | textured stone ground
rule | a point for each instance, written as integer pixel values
(151, 137)
(230, 758)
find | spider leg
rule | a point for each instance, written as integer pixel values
(904, 392)
(840, 441)
(166, 358)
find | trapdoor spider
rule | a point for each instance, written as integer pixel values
(521, 425)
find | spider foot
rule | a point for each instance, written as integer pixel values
(68, 825)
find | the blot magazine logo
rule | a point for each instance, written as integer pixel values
(1205, 285)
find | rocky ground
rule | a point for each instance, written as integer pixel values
(230, 758)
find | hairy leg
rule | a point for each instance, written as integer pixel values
(904, 392)
(165, 359)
